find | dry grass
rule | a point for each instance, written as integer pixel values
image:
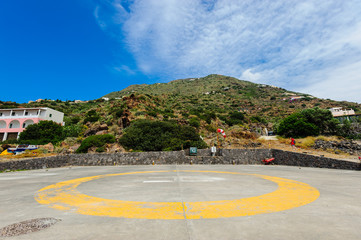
(28, 154)
(308, 142)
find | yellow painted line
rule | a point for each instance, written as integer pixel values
(65, 196)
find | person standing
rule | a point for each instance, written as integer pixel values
(293, 142)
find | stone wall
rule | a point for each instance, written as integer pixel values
(305, 160)
(226, 156)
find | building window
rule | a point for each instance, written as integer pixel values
(26, 113)
(1, 114)
(24, 125)
(50, 115)
(13, 114)
(11, 125)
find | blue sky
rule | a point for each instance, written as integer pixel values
(84, 49)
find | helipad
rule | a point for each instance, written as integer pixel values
(185, 202)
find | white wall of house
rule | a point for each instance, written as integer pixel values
(52, 115)
(338, 112)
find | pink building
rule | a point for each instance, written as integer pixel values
(14, 121)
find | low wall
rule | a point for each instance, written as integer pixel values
(305, 160)
(226, 156)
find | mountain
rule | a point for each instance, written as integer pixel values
(222, 94)
(205, 103)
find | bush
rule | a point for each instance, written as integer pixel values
(256, 119)
(194, 122)
(75, 120)
(98, 141)
(147, 135)
(42, 133)
(73, 130)
(235, 118)
(152, 113)
(91, 116)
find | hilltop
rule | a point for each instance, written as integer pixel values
(222, 94)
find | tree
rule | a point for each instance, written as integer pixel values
(296, 125)
(322, 118)
(42, 133)
(147, 135)
(309, 122)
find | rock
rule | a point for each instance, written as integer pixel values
(344, 146)
(49, 147)
(124, 121)
(115, 147)
(95, 129)
(70, 151)
(102, 132)
(103, 127)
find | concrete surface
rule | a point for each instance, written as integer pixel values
(335, 214)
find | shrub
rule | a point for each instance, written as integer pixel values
(152, 113)
(147, 135)
(235, 118)
(194, 122)
(91, 116)
(210, 128)
(256, 119)
(139, 113)
(98, 141)
(73, 130)
(42, 133)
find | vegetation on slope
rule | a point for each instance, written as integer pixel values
(204, 104)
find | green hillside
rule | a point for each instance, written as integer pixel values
(204, 103)
(222, 94)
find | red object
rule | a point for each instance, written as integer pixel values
(359, 158)
(268, 160)
(293, 142)
(222, 132)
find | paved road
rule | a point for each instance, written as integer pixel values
(258, 202)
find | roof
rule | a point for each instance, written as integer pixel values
(9, 109)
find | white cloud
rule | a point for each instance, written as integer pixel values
(292, 44)
(124, 69)
(250, 76)
(343, 83)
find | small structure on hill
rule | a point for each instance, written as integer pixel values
(343, 114)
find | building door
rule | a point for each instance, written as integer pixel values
(1, 136)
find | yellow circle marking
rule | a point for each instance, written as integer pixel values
(64, 196)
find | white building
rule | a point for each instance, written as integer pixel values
(340, 112)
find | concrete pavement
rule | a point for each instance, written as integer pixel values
(333, 214)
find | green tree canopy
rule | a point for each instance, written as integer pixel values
(147, 135)
(309, 122)
(42, 133)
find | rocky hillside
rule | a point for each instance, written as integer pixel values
(221, 94)
(205, 103)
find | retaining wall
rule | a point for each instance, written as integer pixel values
(305, 160)
(204, 156)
